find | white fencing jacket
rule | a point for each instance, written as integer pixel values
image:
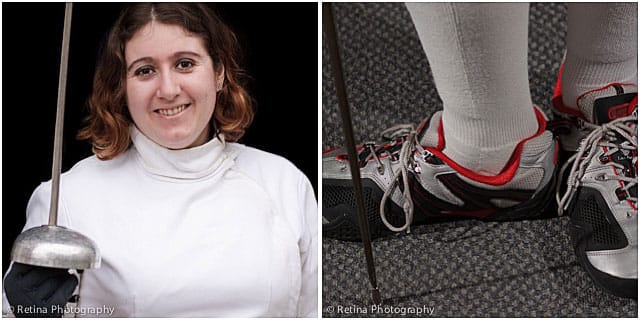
(219, 230)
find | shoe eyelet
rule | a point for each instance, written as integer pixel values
(621, 194)
(604, 158)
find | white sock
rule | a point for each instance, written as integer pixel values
(602, 48)
(478, 57)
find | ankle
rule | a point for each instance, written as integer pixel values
(483, 161)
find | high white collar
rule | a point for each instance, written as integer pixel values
(210, 158)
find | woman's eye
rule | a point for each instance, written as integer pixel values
(185, 64)
(144, 71)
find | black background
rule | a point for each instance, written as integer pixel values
(280, 45)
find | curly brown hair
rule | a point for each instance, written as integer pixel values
(107, 126)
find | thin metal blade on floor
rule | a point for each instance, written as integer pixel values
(334, 58)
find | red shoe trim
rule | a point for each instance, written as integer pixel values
(422, 125)
(604, 88)
(619, 111)
(329, 150)
(507, 173)
(344, 156)
(440, 144)
(631, 205)
(632, 105)
(557, 91)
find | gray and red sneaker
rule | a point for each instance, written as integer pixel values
(408, 179)
(601, 196)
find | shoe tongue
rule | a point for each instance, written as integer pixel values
(609, 103)
(428, 130)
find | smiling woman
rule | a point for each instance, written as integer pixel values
(189, 222)
(171, 89)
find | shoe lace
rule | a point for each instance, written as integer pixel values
(394, 137)
(407, 162)
(619, 134)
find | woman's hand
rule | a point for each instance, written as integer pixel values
(38, 291)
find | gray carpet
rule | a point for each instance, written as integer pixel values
(454, 269)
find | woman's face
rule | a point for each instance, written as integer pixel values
(171, 85)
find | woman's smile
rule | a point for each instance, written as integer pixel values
(172, 112)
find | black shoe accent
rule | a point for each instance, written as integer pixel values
(611, 108)
(594, 228)
(339, 208)
(593, 223)
(477, 202)
(475, 198)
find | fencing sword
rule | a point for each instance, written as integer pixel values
(52, 245)
(334, 58)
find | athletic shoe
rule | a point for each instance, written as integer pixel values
(409, 173)
(601, 195)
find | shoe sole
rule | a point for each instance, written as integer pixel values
(346, 226)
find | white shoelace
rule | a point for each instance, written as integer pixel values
(406, 161)
(601, 136)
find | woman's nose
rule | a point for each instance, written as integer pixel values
(169, 87)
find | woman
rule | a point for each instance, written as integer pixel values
(188, 222)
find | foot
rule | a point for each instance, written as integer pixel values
(408, 179)
(602, 185)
